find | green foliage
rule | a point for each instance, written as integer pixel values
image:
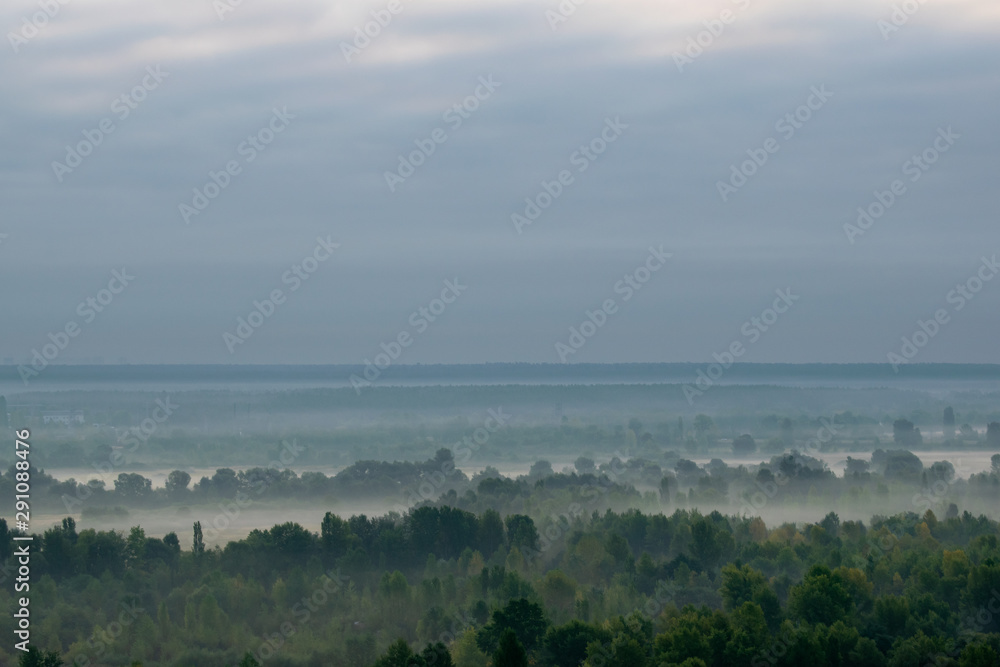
(706, 589)
(510, 652)
(36, 658)
(526, 619)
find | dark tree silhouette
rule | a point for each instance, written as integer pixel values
(510, 653)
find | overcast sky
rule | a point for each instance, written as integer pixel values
(678, 123)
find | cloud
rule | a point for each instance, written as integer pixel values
(658, 184)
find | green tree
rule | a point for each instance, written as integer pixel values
(525, 618)
(198, 542)
(491, 532)
(133, 486)
(978, 655)
(566, 646)
(822, 597)
(521, 532)
(437, 655)
(336, 537)
(993, 434)
(510, 652)
(177, 482)
(248, 660)
(36, 658)
(399, 654)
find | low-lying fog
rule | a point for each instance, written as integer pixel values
(221, 524)
(967, 462)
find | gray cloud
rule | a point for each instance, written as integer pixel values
(656, 185)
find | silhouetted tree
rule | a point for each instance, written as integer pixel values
(993, 434)
(510, 652)
(198, 542)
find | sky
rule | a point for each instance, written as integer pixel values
(608, 181)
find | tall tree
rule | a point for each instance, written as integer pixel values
(949, 423)
(198, 543)
(993, 434)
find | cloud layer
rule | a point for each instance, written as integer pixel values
(701, 87)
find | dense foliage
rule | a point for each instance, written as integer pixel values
(444, 586)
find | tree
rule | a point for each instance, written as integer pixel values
(558, 590)
(3, 413)
(198, 543)
(541, 469)
(6, 545)
(491, 532)
(510, 652)
(248, 660)
(667, 485)
(36, 658)
(566, 646)
(521, 532)
(177, 482)
(133, 486)
(336, 536)
(702, 425)
(904, 433)
(526, 619)
(993, 434)
(821, 597)
(399, 655)
(467, 653)
(437, 655)
(978, 655)
(994, 460)
(584, 465)
(948, 421)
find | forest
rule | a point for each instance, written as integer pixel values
(522, 572)
(552, 526)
